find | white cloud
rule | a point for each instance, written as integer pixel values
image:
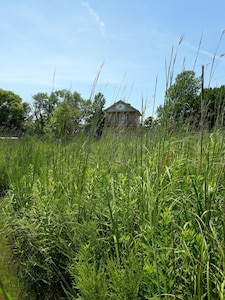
(96, 17)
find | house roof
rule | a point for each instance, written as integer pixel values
(128, 107)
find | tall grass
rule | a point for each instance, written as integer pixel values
(125, 217)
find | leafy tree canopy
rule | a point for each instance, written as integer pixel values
(182, 96)
(148, 122)
(62, 111)
(96, 119)
(214, 106)
(12, 110)
(64, 119)
(184, 105)
(181, 99)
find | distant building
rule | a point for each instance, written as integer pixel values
(122, 116)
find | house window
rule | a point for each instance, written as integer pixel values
(121, 117)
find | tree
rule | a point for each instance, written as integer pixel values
(64, 112)
(12, 111)
(214, 102)
(148, 122)
(182, 104)
(96, 120)
(44, 105)
(71, 113)
(63, 119)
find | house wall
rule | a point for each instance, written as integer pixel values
(122, 120)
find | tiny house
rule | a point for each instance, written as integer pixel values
(122, 116)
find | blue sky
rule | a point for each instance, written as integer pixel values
(65, 44)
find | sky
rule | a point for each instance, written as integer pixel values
(128, 50)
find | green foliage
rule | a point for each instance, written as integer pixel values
(182, 104)
(95, 122)
(3, 292)
(12, 111)
(63, 119)
(44, 106)
(60, 113)
(4, 181)
(214, 99)
(186, 106)
(93, 286)
(149, 123)
(125, 217)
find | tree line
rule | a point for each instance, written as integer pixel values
(61, 113)
(189, 105)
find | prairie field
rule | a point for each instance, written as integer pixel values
(128, 216)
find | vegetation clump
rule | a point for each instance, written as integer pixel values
(127, 217)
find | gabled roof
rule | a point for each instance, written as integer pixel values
(128, 107)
